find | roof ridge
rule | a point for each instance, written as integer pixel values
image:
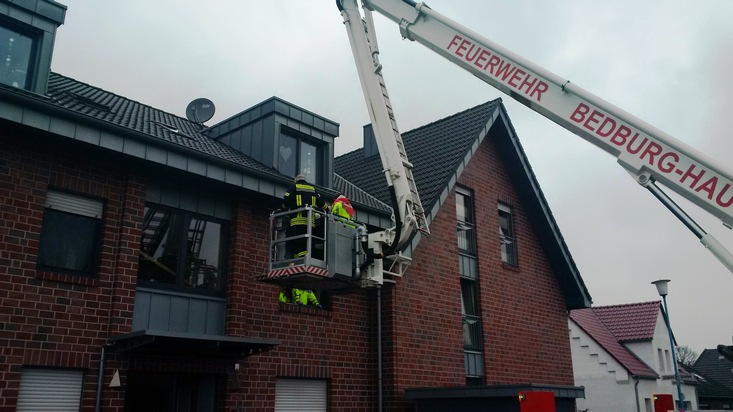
(628, 304)
(488, 104)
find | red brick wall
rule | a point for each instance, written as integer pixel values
(337, 345)
(53, 320)
(523, 311)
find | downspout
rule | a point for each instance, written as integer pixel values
(100, 380)
(636, 390)
(379, 348)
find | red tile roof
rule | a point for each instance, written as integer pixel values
(632, 322)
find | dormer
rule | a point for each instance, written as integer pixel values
(283, 136)
(27, 34)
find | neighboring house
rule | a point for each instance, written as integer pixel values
(131, 240)
(715, 374)
(622, 357)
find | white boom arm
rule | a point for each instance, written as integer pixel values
(649, 154)
(408, 210)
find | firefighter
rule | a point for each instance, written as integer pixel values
(302, 193)
(342, 208)
(305, 297)
(286, 295)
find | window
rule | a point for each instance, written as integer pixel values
(468, 272)
(298, 156)
(45, 389)
(180, 250)
(661, 360)
(16, 57)
(465, 223)
(471, 319)
(300, 395)
(506, 236)
(70, 234)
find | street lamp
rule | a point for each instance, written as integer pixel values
(662, 290)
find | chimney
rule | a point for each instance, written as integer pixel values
(370, 143)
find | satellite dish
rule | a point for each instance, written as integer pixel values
(200, 110)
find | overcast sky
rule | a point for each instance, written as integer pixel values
(667, 62)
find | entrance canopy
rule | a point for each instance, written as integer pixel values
(232, 347)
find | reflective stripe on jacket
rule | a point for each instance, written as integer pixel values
(304, 297)
(299, 195)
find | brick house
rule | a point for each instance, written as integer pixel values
(131, 238)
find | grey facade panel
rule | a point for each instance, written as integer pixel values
(251, 183)
(197, 315)
(53, 11)
(177, 160)
(257, 142)
(233, 139)
(215, 172)
(332, 129)
(215, 316)
(282, 107)
(159, 316)
(246, 143)
(179, 312)
(141, 311)
(307, 118)
(106, 140)
(207, 205)
(44, 24)
(161, 310)
(36, 119)
(11, 112)
(269, 141)
(188, 201)
(296, 114)
(134, 148)
(233, 177)
(196, 166)
(156, 154)
(20, 15)
(88, 135)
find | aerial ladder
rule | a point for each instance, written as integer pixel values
(352, 255)
(649, 155)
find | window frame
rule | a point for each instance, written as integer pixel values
(33, 54)
(472, 325)
(62, 203)
(182, 268)
(300, 141)
(509, 255)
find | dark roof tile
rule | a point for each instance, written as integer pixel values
(432, 168)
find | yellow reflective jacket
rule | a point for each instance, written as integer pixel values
(304, 297)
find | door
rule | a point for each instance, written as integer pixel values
(150, 392)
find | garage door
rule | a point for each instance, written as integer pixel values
(301, 395)
(57, 390)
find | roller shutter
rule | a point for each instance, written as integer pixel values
(57, 390)
(66, 202)
(301, 395)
